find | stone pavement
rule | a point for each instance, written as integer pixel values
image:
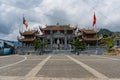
(59, 67)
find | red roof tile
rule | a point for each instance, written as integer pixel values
(29, 32)
(88, 31)
(59, 27)
(91, 39)
(26, 40)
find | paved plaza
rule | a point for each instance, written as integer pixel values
(59, 67)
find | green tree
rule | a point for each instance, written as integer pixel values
(77, 45)
(109, 42)
(39, 45)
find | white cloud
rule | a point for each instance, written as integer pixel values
(64, 11)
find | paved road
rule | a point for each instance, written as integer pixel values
(59, 67)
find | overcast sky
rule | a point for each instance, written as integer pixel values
(42, 12)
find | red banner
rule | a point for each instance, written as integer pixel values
(25, 22)
(94, 20)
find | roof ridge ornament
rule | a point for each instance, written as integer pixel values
(57, 24)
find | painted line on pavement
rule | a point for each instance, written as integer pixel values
(36, 69)
(25, 58)
(106, 57)
(91, 70)
(4, 56)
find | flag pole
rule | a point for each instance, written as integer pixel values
(22, 23)
(96, 52)
(94, 25)
(19, 27)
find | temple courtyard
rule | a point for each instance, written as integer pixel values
(59, 67)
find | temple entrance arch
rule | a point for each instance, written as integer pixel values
(58, 43)
(58, 40)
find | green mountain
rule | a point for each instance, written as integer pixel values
(105, 32)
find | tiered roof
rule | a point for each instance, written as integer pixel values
(26, 40)
(88, 31)
(91, 39)
(58, 27)
(29, 32)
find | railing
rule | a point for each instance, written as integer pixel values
(92, 50)
(88, 50)
(31, 50)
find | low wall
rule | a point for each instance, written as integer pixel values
(92, 50)
(89, 50)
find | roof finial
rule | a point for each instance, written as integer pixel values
(57, 23)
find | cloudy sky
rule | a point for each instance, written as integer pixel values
(42, 12)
